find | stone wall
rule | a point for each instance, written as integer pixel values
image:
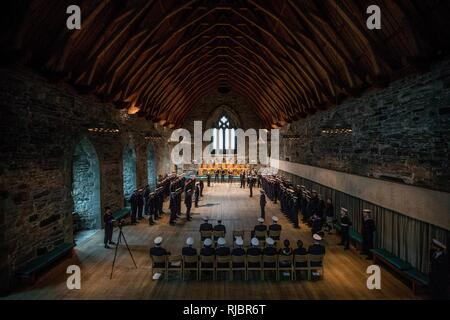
(400, 133)
(41, 124)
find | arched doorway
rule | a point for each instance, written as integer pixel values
(151, 167)
(129, 171)
(86, 186)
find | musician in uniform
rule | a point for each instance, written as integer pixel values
(250, 185)
(197, 194)
(262, 204)
(439, 266)
(208, 179)
(188, 203)
(345, 229)
(134, 206)
(368, 231)
(109, 227)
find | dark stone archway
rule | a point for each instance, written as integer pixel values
(151, 167)
(86, 185)
(129, 171)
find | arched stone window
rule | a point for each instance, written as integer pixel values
(224, 136)
(86, 185)
(151, 167)
(129, 171)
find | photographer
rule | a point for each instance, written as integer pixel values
(108, 221)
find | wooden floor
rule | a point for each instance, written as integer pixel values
(345, 271)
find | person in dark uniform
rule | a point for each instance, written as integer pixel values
(439, 267)
(173, 203)
(205, 226)
(216, 176)
(241, 179)
(207, 250)
(329, 215)
(269, 250)
(230, 176)
(202, 186)
(262, 204)
(316, 249)
(109, 227)
(188, 250)
(188, 203)
(238, 251)
(158, 251)
(275, 227)
(285, 251)
(316, 223)
(208, 179)
(254, 250)
(345, 229)
(197, 194)
(250, 184)
(151, 208)
(222, 176)
(134, 206)
(222, 250)
(367, 233)
(140, 203)
(146, 194)
(300, 250)
(219, 227)
(260, 227)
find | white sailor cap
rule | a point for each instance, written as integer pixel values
(190, 241)
(270, 241)
(255, 242)
(274, 219)
(221, 241)
(260, 220)
(207, 242)
(439, 244)
(239, 241)
(344, 210)
(317, 237)
(205, 218)
(262, 191)
(158, 240)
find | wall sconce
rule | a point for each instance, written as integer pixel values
(336, 125)
(103, 130)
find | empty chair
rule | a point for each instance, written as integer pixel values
(174, 264)
(301, 265)
(190, 263)
(315, 262)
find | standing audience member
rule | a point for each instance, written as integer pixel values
(109, 227)
(345, 229)
(368, 231)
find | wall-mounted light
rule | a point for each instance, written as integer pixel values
(133, 109)
(336, 125)
(103, 130)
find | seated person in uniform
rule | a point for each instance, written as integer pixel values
(205, 226)
(316, 249)
(188, 250)
(300, 251)
(219, 227)
(316, 223)
(270, 250)
(238, 251)
(207, 250)
(254, 250)
(260, 227)
(275, 227)
(285, 251)
(222, 250)
(158, 251)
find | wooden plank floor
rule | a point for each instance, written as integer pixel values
(345, 276)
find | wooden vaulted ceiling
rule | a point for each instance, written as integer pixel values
(288, 58)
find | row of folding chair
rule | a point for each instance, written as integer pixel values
(231, 264)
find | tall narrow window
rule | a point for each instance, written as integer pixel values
(224, 136)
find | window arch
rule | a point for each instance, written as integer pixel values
(224, 136)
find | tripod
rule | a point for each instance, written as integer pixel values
(121, 236)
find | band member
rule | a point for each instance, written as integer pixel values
(345, 229)
(197, 194)
(262, 204)
(108, 221)
(251, 182)
(208, 179)
(188, 203)
(367, 233)
(329, 214)
(438, 270)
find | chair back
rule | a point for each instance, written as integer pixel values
(254, 259)
(175, 261)
(206, 233)
(260, 234)
(285, 259)
(158, 259)
(219, 234)
(207, 259)
(190, 259)
(270, 259)
(274, 233)
(299, 258)
(238, 259)
(315, 257)
(223, 259)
